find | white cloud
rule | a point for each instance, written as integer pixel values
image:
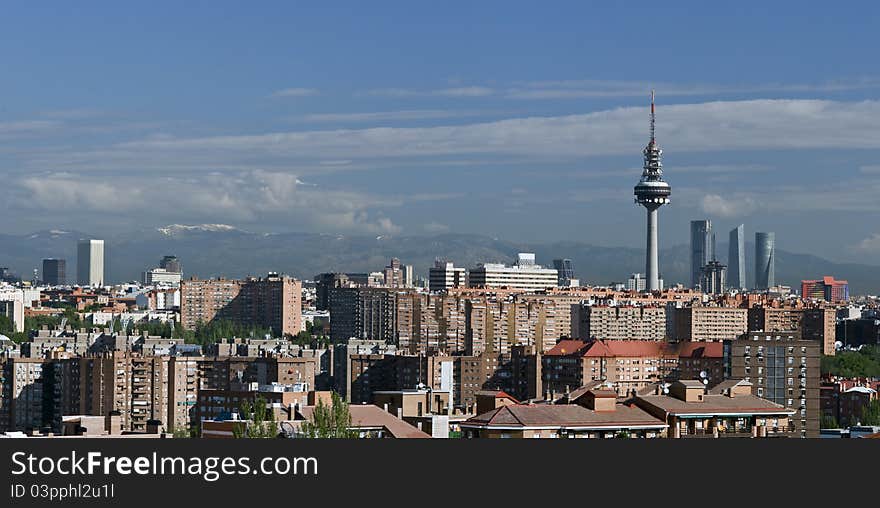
(755, 124)
(295, 92)
(870, 244)
(713, 204)
(580, 89)
(10, 129)
(462, 91)
(380, 116)
(241, 197)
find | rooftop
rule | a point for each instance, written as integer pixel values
(565, 415)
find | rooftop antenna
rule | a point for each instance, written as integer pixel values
(652, 115)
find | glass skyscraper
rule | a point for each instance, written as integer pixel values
(765, 260)
(702, 248)
(736, 259)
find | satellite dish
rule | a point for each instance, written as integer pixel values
(705, 381)
(703, 374)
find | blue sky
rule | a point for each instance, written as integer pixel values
(513, 119)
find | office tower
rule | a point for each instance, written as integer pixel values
(652, 193)
(54, 272)
(170, 264)
(407, 276)
(564, 272)
(90, 263)
(826, 288)
(702, 248)
(736, 259)
(765, 260)
(525, 274)
(444, 275)
(713, 278)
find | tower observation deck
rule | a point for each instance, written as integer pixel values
(652, 193)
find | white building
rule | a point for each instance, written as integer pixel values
(525, 274)
(638, 282)
(90, 263)
(14, 300)
(444, 275)
(161, 277)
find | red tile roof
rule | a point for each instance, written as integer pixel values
(701, 350)
(631, 348)
(566, 347)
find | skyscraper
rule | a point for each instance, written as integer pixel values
(564, 269)
(713, 278)
(90, 263)
(652, 193)
(54, 272)
(170, 264)
(702, 248)
(765, 260)
(736, 258)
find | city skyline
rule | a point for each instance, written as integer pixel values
(320, 134)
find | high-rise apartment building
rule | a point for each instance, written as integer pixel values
(54, 272)
(270, 302)
(525, 274)
(703, 323)
(783, 368)
(324, 282)
(90, 263)
(618, 322)
(702, 248)
(397, 275)
(736, 258)
(363, 313)
(765, 260)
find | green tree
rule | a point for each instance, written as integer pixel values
(260, 421)
(829, 422)
(6, 326)
(329, 422)
(871, 413)
(862, 363)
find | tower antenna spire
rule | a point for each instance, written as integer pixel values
(652, 114)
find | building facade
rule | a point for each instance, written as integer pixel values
(54, 272)
(783, 368)
(90, 263)
(736, 258)
(702, 248)
(765, 260)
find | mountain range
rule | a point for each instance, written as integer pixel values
(210, 250)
